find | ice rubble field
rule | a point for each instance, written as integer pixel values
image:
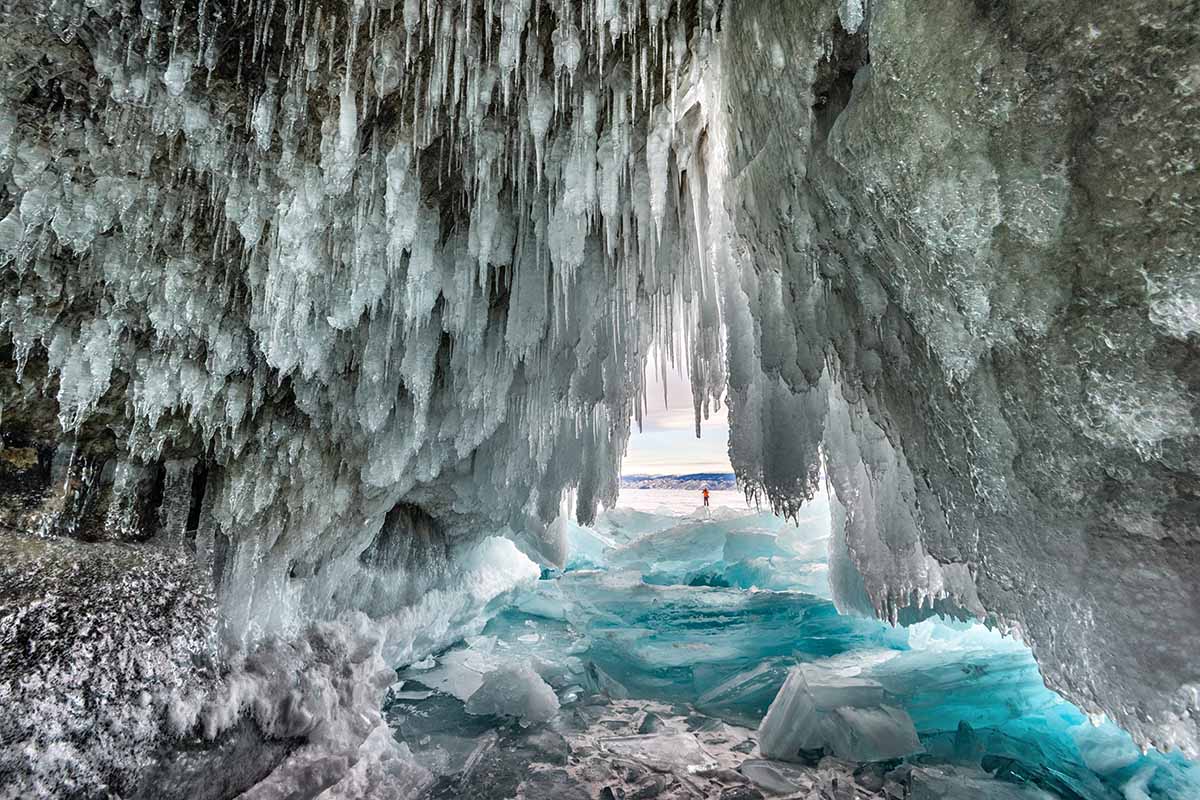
(701, 656)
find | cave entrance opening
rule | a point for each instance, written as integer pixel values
(672, 457)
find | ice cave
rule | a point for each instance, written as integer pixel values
(326, 327)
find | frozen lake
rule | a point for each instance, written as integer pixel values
(678, 502)
(681, 503)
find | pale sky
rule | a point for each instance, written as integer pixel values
(667, 444)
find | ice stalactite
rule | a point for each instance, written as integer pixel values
(328, 292)
(955, 225)
(343, 256)
(290, 283)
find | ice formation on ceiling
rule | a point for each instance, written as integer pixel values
(294, 262)
(330, 290)
(967, 277)
(325, 293)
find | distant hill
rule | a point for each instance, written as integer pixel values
(715, 481)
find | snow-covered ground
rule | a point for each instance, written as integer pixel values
(683, 502)
(679, 502)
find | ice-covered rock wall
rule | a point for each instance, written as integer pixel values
(326, 291)
(279, 277)
(968, 277)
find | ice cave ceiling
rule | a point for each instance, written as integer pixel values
(324, 290)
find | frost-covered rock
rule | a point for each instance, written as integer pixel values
(100, 646)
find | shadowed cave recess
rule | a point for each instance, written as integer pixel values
(324, 325)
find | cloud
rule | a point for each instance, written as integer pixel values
(668, 443)
(671, 420)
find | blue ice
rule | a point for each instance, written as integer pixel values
(715, 613)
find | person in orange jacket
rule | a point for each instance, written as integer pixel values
(705, 493)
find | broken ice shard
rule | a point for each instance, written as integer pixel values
(822, 709)
(514, 690)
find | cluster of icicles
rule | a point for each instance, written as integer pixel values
(387, 249)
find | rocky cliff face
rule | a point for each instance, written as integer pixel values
(321, 293)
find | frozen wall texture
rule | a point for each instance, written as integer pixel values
(325, 292)
(970, 266)
(279, 277)
(322, 293)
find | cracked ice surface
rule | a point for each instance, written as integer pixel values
(684, 689)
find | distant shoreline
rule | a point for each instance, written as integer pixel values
(714, 481)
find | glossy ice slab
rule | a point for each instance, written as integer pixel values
(828, 710)
(650, 672)
(515, 691)
(710, 547)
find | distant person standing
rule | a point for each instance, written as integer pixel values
(705, 493)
